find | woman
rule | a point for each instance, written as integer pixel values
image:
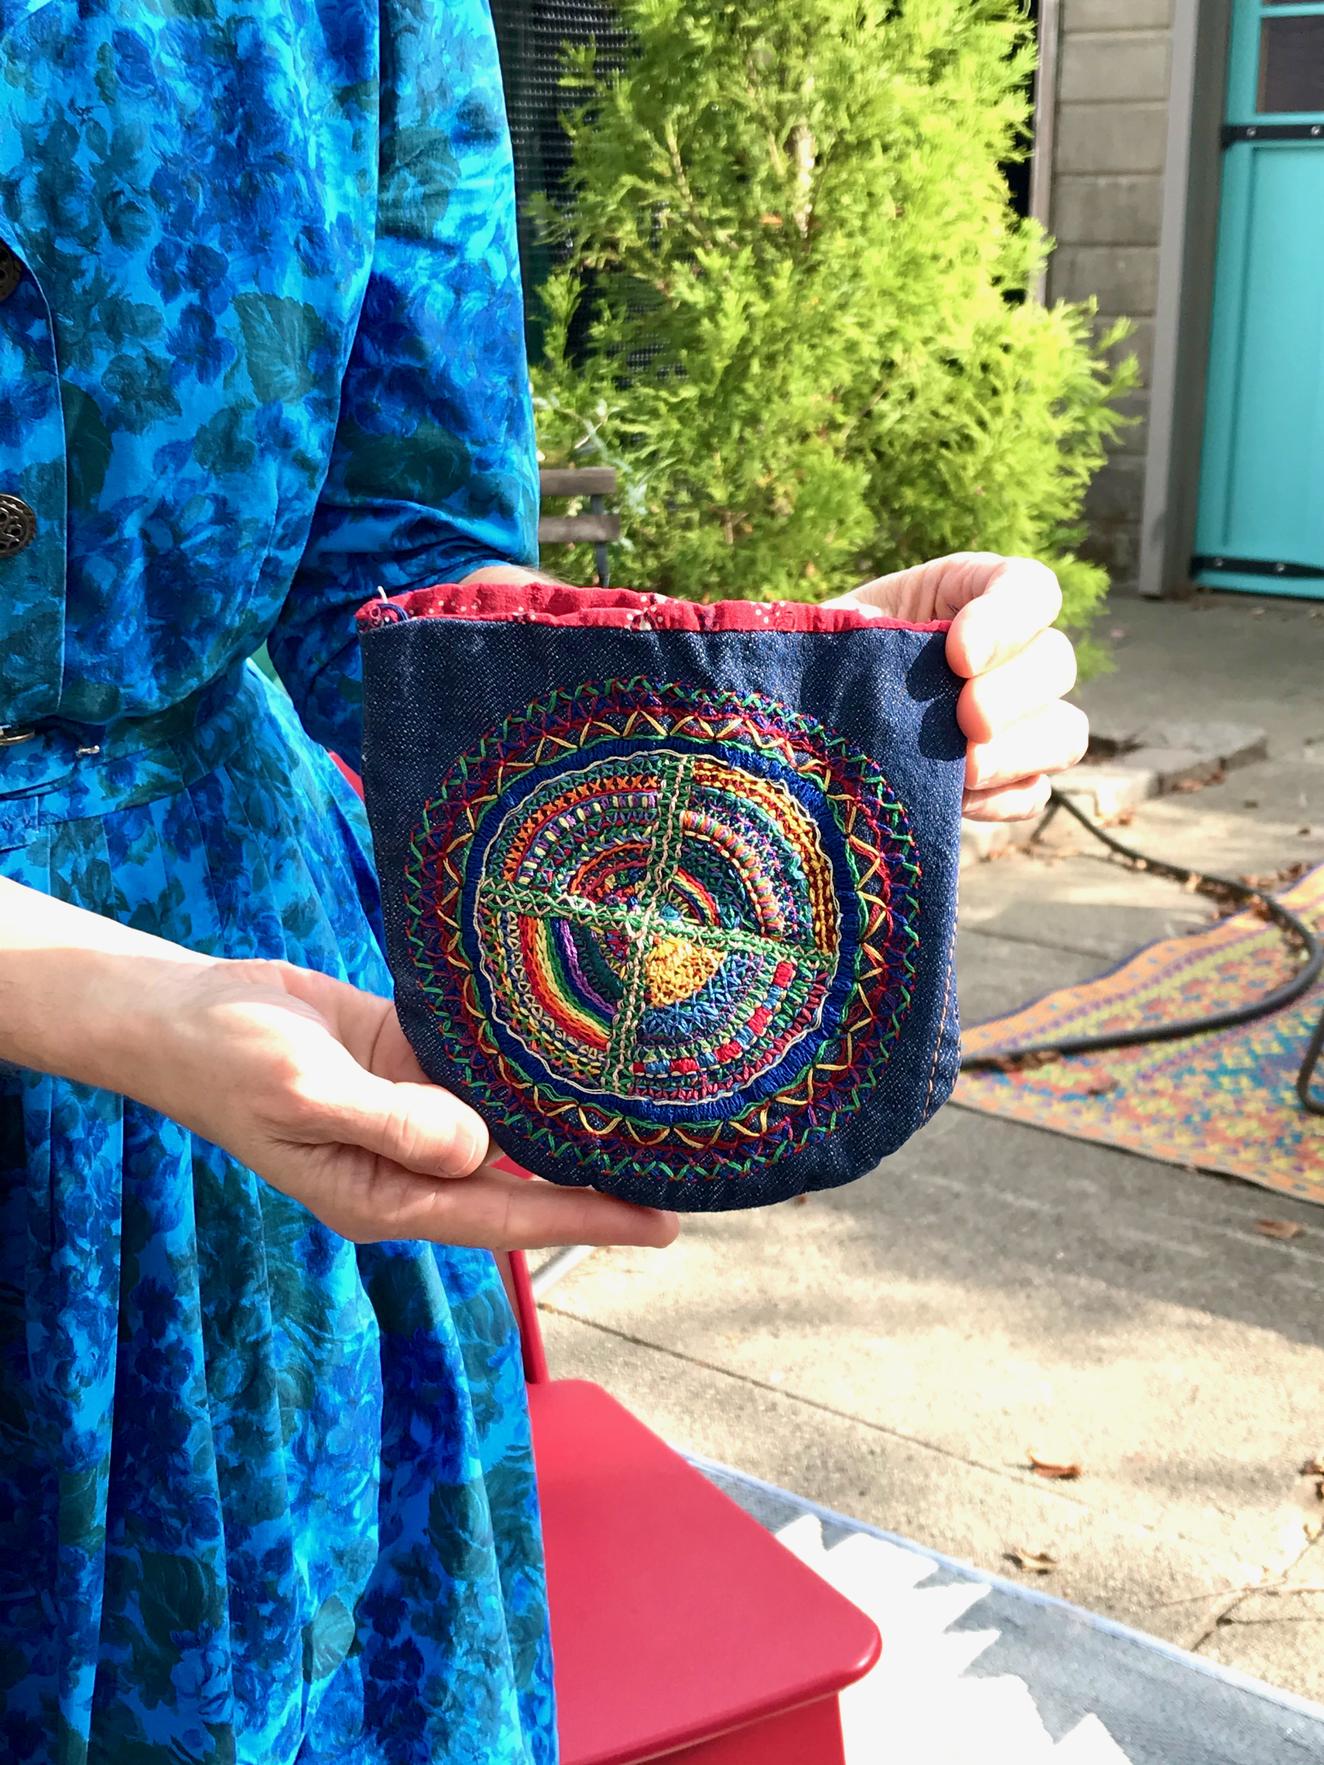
(265, 1485)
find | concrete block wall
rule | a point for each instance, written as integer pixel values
(1105, 206)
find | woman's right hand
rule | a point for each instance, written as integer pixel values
(312, 1084)
(306, 1080)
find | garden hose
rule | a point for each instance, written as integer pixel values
(1223, 888)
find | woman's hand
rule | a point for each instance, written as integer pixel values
(1017, 669)
(312, 1084)
(306, 1080)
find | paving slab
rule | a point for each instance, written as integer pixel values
(1257, 820)
(1070, 895)
(999, 974)
(1230, 744)
(899, 1484)
(1134, 765)
(984, 840)
(1075, 902)
(995, 1289)
(1110, 789)
(1172, 768)
(1228, 657)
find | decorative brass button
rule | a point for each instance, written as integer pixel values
(11, 272)
(18, 525)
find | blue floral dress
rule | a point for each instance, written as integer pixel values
(264, 1497)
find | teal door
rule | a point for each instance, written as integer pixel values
(1260, 525)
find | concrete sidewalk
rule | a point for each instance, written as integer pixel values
(892, 1350)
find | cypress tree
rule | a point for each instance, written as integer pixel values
(790, 300)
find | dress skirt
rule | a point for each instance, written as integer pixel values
(265, 1496)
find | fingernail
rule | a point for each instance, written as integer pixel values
(670, 1224)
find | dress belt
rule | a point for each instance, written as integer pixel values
(55, 770)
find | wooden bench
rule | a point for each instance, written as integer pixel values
(593, 526)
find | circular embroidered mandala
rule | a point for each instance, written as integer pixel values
(663, 930)
(658, 927)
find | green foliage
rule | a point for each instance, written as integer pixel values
(794, 288)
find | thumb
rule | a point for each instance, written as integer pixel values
(419, 1127)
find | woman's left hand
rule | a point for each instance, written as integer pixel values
(1016, 666)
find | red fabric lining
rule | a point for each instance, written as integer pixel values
(545, 603)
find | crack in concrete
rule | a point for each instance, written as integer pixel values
(1239, 1596)
(1094, 953)
(1026, 1480)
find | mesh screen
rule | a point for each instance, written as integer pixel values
(531, 35)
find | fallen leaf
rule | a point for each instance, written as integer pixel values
(1063, 1469)
(1037, 1562)
(1310, 1506)
(1275, 879)
(1100, 1086)
(1184, 786)
(1028, 1062)
(1042, 1057)
(1313, 1467)
(1279, 1228)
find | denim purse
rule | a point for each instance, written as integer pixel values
(669, 889)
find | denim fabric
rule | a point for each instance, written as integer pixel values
(674, 910)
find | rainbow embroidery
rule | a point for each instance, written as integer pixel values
(665, 931)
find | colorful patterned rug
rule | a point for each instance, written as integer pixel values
(1221, 1102)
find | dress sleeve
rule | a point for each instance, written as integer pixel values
(433, 471)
